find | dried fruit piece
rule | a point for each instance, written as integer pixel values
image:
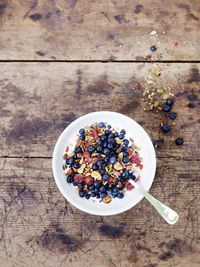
(78, 178)
(69, 172)
(96, 175)
(135, 160)
(89, 180)
(107, 199)
(118, 166)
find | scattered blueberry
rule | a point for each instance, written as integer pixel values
(153, 48)
(81, 193)
(166, 108)
(111, 135)
(91, 187)
(110, 145)
(103, 165)
(99, 148)
(172, 115)
(166, 128)
(169, 101)
(125, 160)
(99, 143)
(125, 154)
(105, 176)
(116, 190)
(120, 195)
(98, 196)
(107, 132)
(116, 134)
(75, 184)
(75, 156)
(103, 138)
(91, 148)
(81, 131)
(179, 141)
(78, 150)
(87, 196)
(102, 195)
(111, 140)
(121, 136)
(99, 163)
(70, 179)
(106, 151)
(109, 191)
(76, 165)
(69, 161)
(125, 175)
(123, 131)
(101, 125)
(82, 137)
(112, 160)
(95, 167)
(109, 126)
(102, 172)
(126, 142)
(105, 144)
(80, 186)
(93, 194)
(102, 189)
(106, 159)
(96, 184)
(96, 190)
(132, 177)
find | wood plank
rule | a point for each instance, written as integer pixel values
(38, 228)
(99, 30)
(36, 103)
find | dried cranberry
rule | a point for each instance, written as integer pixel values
(89, 180)
(135, 160)
(78, 179)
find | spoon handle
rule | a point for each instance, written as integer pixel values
(167, 213)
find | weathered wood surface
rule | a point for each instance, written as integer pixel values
(38, 100)
(99, 30)
(38, 228)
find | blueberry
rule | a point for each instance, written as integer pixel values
(102, 172)
(78, 150)
(109, 126)
(120, 195)
(172, 115)
(70, 179)
(111, 135)
(103, 165)
(81, 193)
(123, 131)
(179, 141)
(91, 187)
(125, 175)
(75, 184)
(121, 136)
(99, 143)
(99, 148)
(106, 176)
(116, 190)
(107, 132)
(111, 140)
(117, 146)
(82, 137)
(166, 108)
(101, 125)
(103, 138)
(166, 128)
(125, 160)
(110, 145)
(69, 161)
(132, 177)
(109, 191)
(80, 186)
(102, 189)
(169, 101)
(96, 190)
(115, 183)
(96, 184)
(122, 187)
(76, 165)
(99, 163)
(75, 156)
(114, 195)
(106, 151)
(81, 131)
(112, 160)
(126, 142)
(98, 196)
(153, 48)
(102, 195)
(125, 149)
(119, 178)
(115, 134)
(95, 167)
(106, 159)
(125, 154)
(105, 144)
(93, 194)
(91, 148)
(87, 196)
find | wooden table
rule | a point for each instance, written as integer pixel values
(62, 59)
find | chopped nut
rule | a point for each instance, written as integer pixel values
(65, 156)
(107, 199)
(118, 166)
(96, 175)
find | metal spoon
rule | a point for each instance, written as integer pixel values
(167, 213)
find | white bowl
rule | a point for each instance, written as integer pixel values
(141, 139)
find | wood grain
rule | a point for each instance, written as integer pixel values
(38, 100)
(99, 30)
(38, 228)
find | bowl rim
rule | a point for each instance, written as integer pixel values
(56, 175)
